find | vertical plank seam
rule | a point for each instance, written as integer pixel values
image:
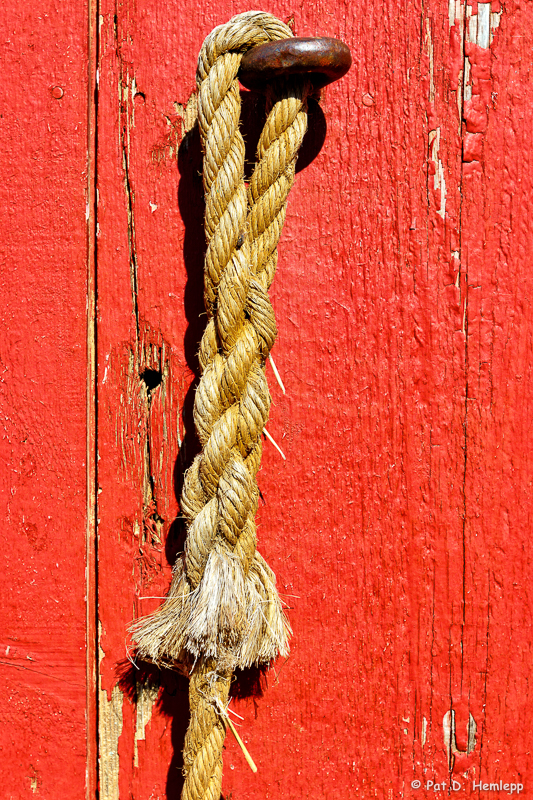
(465, 332)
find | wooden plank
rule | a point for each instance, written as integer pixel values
(47, 735)
(497, 243)
(143, 375)
(398, 525)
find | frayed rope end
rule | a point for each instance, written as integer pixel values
(234, 619)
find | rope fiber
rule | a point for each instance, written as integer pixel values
(223, 610)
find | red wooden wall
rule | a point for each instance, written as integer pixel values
(399, 524)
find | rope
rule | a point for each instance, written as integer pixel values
(223, 610)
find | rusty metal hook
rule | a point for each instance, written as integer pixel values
(323, 60)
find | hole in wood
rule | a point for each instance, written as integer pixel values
(151, 378)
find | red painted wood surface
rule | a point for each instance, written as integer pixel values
(47, 632)
(399, 525)
(405, 325)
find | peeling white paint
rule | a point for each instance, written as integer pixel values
(188, 112)
(481, 26)
(146, 697)
(450, 742)
(429, 46)
(455, 12)
(495, 17)
(456, 255)
(439, 182)
(467, 91)
(110, 728)
(424, 731)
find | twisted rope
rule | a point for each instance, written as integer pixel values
(223, 610)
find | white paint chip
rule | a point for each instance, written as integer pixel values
(439, 182)
(455, 12)
(467, 81)
(110, 729)
(429, 46)
(472, 26)
(481, 26)
(424, 730)
(495, 18)
(450, 743)
(146, 697)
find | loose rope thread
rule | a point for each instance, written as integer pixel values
(223, 610)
